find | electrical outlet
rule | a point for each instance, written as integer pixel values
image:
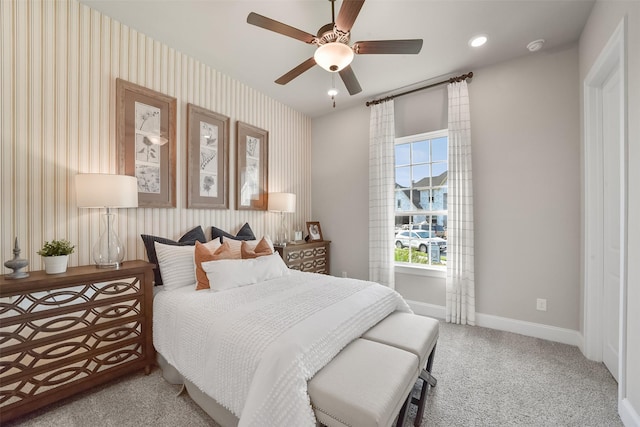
(541, 304)
(344, 274)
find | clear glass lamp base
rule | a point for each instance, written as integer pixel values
(282, 235)
(109, 251)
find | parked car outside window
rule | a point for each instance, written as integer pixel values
(419, 239)
(439, 230)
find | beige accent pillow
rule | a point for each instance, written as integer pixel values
(211, 251)
(261, 249)
(236, 245)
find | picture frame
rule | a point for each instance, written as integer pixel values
(207, 159)
(146, 142)
(314, 231)
(252, 155)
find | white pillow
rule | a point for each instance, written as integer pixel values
(232, 273)
(176, 265)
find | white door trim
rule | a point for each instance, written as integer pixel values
(611, 57)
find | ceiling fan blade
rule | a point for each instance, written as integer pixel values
(412, 46)
(278, 27)
(348, 13)
(286, 78)
(350, 81)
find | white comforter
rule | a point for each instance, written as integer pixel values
(253, 348)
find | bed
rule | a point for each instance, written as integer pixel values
(246, 347)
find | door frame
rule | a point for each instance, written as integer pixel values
(611, 57)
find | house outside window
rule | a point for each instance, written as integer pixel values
(421, 172)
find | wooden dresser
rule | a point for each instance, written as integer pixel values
(312, 257)
(64, 333)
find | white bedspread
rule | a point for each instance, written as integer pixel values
(253, 348)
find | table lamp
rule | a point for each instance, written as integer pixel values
(97, 190)
(282, 202)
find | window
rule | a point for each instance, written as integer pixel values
(421, 171)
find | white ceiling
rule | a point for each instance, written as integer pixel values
(215, 32)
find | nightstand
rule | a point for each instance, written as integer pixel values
(68, 332)
(310, 256)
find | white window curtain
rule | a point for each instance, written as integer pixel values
(381, 179)
(460, 276)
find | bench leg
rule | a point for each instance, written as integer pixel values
(428, 380)
(430, 362)
(403, 412)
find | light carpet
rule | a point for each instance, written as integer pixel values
(485, 378)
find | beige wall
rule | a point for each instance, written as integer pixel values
(525, 135)
(421, 112)
(340, 188)
(604, 18)
(526, 140)
(59, 65)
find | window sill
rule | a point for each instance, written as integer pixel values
(440, 272)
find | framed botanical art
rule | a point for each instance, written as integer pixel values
(207, 159)
(146, 142)
(315, 233)
(252, 155)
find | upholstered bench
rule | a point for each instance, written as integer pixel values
(415, 334)
(366, 384)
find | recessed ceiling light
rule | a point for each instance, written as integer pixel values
(535, 45)
(477, 41)
(332, 92)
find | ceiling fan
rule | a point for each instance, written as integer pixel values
(334, 53)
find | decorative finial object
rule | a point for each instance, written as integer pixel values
(17, 264)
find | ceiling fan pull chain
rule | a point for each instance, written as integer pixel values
(333, 92)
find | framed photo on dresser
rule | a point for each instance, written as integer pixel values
(314, 230)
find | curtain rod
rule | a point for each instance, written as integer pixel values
(451, 80)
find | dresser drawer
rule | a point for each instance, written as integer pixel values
(311, 257)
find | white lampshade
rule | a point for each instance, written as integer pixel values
(282, 202)
(333, 56)
(98, 190)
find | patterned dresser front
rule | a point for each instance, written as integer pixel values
(312, 257)
(64, 333)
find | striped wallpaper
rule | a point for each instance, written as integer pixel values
(60, 61)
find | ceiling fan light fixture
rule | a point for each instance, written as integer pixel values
(333, 56)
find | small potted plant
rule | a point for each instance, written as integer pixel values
(56, 255)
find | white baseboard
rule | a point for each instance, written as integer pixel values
(628, 414)
(536, 330)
